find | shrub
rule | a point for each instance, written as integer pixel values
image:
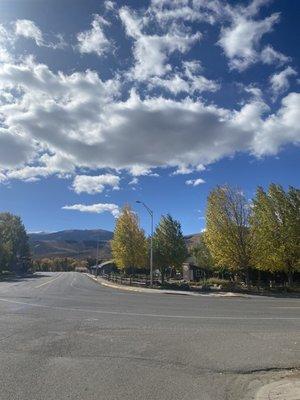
(176, 286)
(217, 281)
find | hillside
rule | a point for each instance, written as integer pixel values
(191, 240)
(79, 243)
(71, 243)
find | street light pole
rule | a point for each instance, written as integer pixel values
(151, 240)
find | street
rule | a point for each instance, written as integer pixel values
(64, 336)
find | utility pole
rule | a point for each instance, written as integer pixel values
(151, 240)
(97, 257)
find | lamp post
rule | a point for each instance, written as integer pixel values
(151, 240)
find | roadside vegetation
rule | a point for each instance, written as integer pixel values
(15, 255)
(247, 244)
(60, 264)
(14, 247)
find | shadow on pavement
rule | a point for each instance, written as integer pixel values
(18, 278)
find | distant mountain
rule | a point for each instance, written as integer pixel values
(191, 240)
(79, 243)
(71, 243)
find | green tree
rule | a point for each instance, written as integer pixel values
(15, 253)
(169, 248)
(275, 230)
(129, 244)
(227, 229)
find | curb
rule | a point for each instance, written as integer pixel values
(105, 283)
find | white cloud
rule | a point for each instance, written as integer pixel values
(6, 42)
(29, 30)
(183, 10)
(188, 169)
(15, 149)
(189, 81)
(97, 208)
(279, 128)
(48, 165)
(195, 182)
(240, 41)
(59, 122)
(140, 170)
(271, 56)
(109, 5)
(95, 184)
(280, 81)
(241, 33)
(94, 40)
(134, 181)
(151, 52)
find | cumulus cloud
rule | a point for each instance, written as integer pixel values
(47, 165)
(270, 56)
(241, 31)
(6, 41)
(94, 40)
(15, 149)
(97, 208)
(188, 81)
(151, 51)
(279, 128)
(185, 169)
(240, 41)
(95, 184)
(194, 182)
(55, 123)
(280, 81)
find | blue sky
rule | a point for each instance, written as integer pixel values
(103, 103)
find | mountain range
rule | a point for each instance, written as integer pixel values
(78, 243)
(71, 243)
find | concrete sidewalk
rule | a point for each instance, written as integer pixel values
(113, 285)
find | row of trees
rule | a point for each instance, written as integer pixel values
(14, 247)
(263, 234)
(60, 264)
(240, 236)
(130, 247)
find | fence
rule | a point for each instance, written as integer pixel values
(130, 281)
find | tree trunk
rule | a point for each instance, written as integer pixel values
(290, 278)
(247, 278)
(258, 280)
(162, 276)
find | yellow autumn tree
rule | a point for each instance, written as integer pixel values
(275, 230)
(227, 229)
(129, 244)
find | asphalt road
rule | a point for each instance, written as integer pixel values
(63, 336)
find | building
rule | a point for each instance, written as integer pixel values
(191, 271)
(104, 268)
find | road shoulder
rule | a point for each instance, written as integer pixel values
(113, 285)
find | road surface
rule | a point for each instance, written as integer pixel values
(64, 336)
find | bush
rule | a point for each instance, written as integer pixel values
(224, 284)
(217, 281)
(176, 286)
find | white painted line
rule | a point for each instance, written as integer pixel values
(46, 283)
(132, 314)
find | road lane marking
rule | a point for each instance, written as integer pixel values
(131, 314)
(46, 283)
